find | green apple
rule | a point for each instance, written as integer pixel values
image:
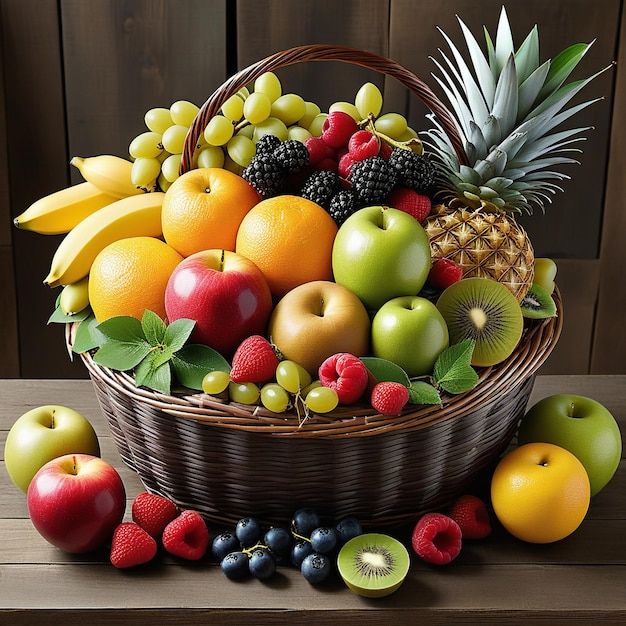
(43, 434)
(411, 332)
(583, 427)
(545, 273)
(381, 253)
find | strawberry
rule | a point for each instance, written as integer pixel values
(470, 513)
(346, 374)
(444, 273)
(389, 398)
(153, 513)
(254, 362)
(131, 545)
(337, 129)
(410, 202)
(436, 539)
(187, 536)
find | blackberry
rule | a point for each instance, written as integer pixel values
(413, 170)
(343, 204)
(292, 156)
(265, 175)
(267, 144)
(320, 187)
(372, 179)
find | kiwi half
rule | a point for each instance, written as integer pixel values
(373, 565)
(486, 311)
(538, 304)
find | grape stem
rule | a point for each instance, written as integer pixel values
(414, 144)
(298, 536)
(258, 546)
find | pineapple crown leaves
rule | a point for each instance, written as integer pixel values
(505, 108)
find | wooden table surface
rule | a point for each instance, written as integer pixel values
(580, 580)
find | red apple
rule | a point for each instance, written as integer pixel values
(225, 293)
(76, 501)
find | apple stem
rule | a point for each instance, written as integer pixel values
(571, 409)
(52, 420)
(222, 261)
(74, 461)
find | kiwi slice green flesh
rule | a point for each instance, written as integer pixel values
(538, 304)
(373, 565)
(486, 311)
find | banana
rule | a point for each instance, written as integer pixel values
(59, 212)
(75, 297)
(137, 216)
(109, 174)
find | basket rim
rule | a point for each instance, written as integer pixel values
(533, 349)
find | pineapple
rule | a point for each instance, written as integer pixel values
(504, 111)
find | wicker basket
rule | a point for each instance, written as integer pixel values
(228, 460)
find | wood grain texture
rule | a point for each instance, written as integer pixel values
(609, 346)
(265, 26)
(571, 226)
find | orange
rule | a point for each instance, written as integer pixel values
(131, 275)
(203, 208)
(540, 492)
(290, 239)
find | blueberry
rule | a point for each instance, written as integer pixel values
(316, 568)
(235, 565)
(323, 540)
(305, 521)
(224, 544)
(299, 551)
(248, 531)
(262, 564)
(348, 528)
(278, 540)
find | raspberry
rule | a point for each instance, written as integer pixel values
(338, 128)
(267, 144)
(413, 170)
(254, 362)
(470, 513)
(346, 374)
(292, 156)
(372, 179)
(410, 202)
(363, 145)
(345, 164)
(389, 398)
(343, 204)
(436, 539)
(153, 513)
(320, 187)
(327, 165)
(187, 536)
(385, 151)
(318, 150)
(444, 273)
(131, 545)
(265, 174)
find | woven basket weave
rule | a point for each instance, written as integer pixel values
(229, 461)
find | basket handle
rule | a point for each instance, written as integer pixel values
(320, 52)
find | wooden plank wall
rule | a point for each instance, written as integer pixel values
(100, 64)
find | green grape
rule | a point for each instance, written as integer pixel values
(170, 167)
(314, 385)
(274, 398)
(233, 108)
(368, 100)
(316, 125)
(271, 126)
(215, 382)
(241, 150)
(244, 393)
(256, 108)
(146, 146)
(158, 120)
(322, 400)
(298, 133)
(346, 107)
(183, 112)
(391, 124)
(232, 166)
(311, 111)
(291, 376)
(289, 108)
(409, 133)
(211, 157)
(218, 131)
(244, 92)
(174, 139)
(246, 131)
(268, 84)
(163, 183)
(144, 172)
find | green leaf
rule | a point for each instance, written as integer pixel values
(453, 371)
(383, 370)
(122, 328)
(177, 333)
(153, 376)
(423, 393)
(88, 336)
(58, 317)
(153, 327)
(562, 66)
(120, 355)
(527, 56)
(194, 362)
